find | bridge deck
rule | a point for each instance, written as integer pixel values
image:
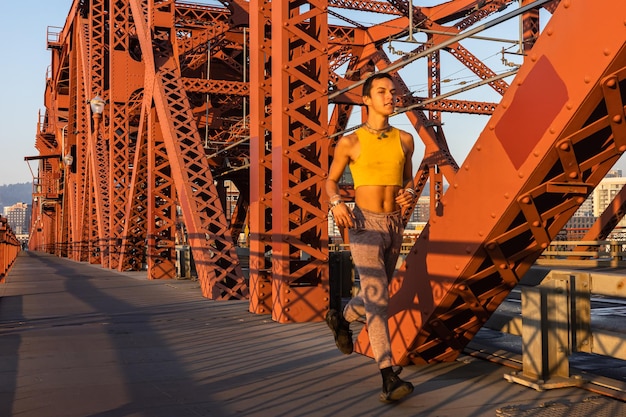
(80, 340)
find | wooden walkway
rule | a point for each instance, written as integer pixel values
(77, 340)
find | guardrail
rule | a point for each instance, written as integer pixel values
(338, 247)
(555, 322)
(9, 248)
(584, 253)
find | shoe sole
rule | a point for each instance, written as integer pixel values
(397, 394)
(343, 339)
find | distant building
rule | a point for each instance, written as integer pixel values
(586, 208)
(604, 194)
(18, 217)
(594, 206)
(578, 226)
(421, 213)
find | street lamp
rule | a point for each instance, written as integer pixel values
(68, 160)
(97, 106)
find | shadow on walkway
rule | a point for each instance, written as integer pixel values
(78, 340)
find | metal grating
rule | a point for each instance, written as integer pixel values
(593, 406)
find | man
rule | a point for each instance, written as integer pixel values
(379, 157)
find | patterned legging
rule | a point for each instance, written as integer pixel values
(375, 246)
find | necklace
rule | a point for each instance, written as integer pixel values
(380, 132)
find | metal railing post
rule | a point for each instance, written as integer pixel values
(553, 326)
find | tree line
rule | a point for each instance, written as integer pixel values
(16, 193)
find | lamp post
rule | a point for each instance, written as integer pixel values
(68, 159)
(97, 108)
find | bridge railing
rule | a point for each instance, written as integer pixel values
(9, 248)
(584, 253)
(555, 322)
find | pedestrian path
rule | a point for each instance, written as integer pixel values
(78, 340)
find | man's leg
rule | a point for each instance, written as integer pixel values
(373, 248)
(367, 246)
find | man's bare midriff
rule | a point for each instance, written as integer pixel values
(377, 198)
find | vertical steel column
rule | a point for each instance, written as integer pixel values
(136, 226)
(126, 82)
(98, 149)
(161, 251)
(260, 157)
(300, 290)
(82, 215)
(530, 27)
(434, 85)
(81, 177)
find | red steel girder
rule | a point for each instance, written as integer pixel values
(219, 271)
(135, 230)
(238, 88)
(260, 158)
(300, 290)
(125, 98)
(366, 5)
(161, 213)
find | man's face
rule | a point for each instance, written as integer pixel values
(382, 97)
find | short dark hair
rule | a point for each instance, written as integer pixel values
(367, 85)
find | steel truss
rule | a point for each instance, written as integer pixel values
(256, 92)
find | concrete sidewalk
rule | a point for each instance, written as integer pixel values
(79, 340)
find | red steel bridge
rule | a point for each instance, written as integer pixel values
(153, 107)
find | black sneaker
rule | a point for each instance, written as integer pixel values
(341, 331)
(394, 388)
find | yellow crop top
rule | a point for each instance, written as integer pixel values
(380, 161)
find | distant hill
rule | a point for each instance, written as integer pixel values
(16, 193)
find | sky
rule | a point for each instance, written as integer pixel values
(25, 61)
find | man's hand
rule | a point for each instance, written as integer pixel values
(405, 198)
(343, 216)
